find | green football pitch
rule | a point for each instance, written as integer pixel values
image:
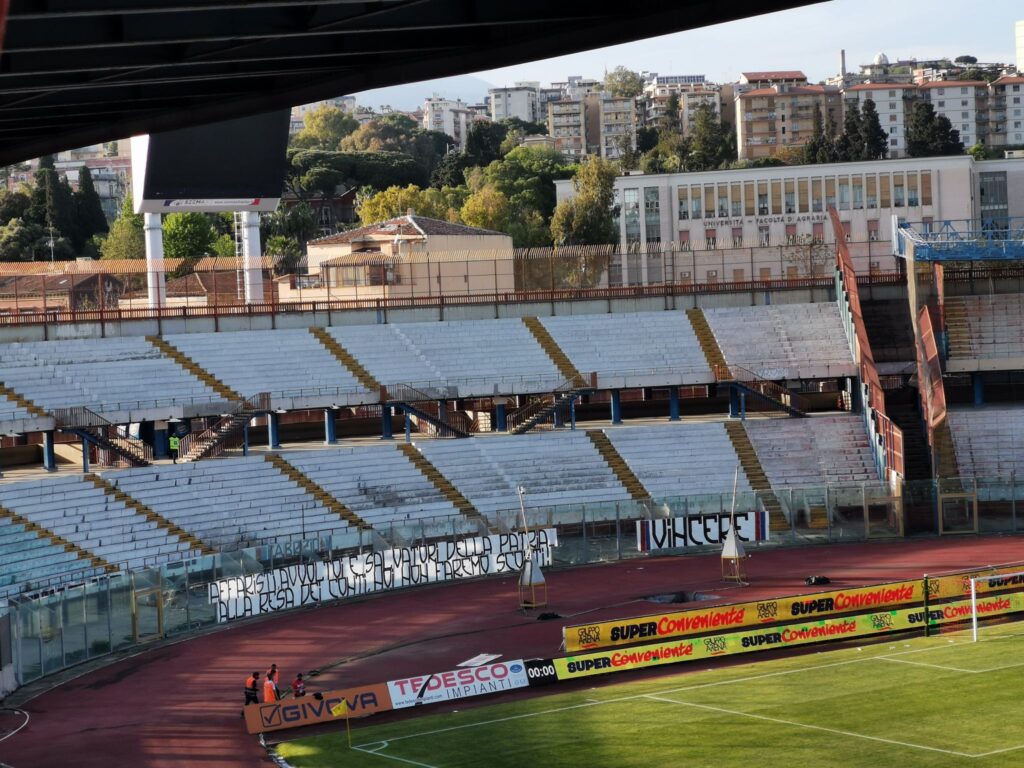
(939, 701)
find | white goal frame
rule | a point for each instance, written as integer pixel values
(974, 596)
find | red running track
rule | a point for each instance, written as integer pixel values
(178, 705)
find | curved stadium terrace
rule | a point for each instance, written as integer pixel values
(831, 413)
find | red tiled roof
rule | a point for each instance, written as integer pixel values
(782, 74)
(405, 226)
(952, 83)
(1009, 79)
(796, 90)
(879, 86)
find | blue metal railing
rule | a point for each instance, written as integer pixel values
(995, 238)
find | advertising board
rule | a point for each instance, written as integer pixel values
(699, 530)
(308, 710)
(458, 683)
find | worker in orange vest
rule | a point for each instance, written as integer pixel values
(270, 693)
(252, 691)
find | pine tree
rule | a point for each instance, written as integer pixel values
(53, 208)
(670, 120)
(848, 146)
(929, 135)
(88, 211)
(816, 143)
(874, 141)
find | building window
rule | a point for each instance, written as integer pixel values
(684, 242)
(816, 196)
(631, 212)
(894, 142)
(942, 91)
(710, 239)
(892, 119)
(963, 90)
(723, 203)
(873, 230)
(818, 232)
(652, 214)
(963, 115)
(737, 237)
(830, 193)
(942, 103)
(763, 236)
(791, 234)
(892, 105)
(790, 200)
(892, 94)
(712, 276)
(684, 203)
(762, 204)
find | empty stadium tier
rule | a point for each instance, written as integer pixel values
(231, 503)
(291, 365)
(634, 349)
(784, 341)
(122, 378)
(813, 452)
(985, 332)
(989, 441)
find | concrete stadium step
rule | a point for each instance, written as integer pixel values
(59, 541)
(439, 481)
(708, 344)
(756, 476)
(551, 348)
(945, 451)
(21, 401)
(194, 368)
(346, 358)
(618, 465)
(159, 520)
(317, 492)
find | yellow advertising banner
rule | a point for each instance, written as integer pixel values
(785, 636)
(581, 637)
(959, 584)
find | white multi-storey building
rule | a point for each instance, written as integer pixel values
(567, 125)
(451, 117)
(964, 103)
(520, 101)
(616, 120)
(1006, 111)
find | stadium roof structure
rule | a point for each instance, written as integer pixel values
(79, 72)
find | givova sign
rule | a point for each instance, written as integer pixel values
(699, 530)
(308, 710)
(360, 574)
(458, 684)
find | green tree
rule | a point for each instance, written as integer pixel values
(22, 240)
(874, 141)
(624, 82)
(53, 207)
(46, 162)
(88, 210)
(483, 142)
(223, 245)
(527, 175)
(966, 60)
(399, 133)
(315, 174)
(297, 222)
(670, 122)
(14, 204)
(646, 139)
(285, 252)
(126, 239)
(979, 152)
(487, 209)
(188, 235)
(450, 170)
(849, 145)
(323, 128)
(931, 135)
(709, 144)
(586, 218)
(396, 201)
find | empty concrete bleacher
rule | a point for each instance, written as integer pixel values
(467, 357)
(813, 452)
(230, 503)
(784, 341)
(985, 332)
(79, 512)
(560, 468)
(278, 362)
(378, 483)
(105, 375)
(679, 459)
(640, 348)
(30, 561)
(989, 441)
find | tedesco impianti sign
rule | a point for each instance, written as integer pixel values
(458, 684)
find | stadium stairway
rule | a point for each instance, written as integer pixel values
(317, 491)
(958, 328)
(207, 443)
(708, 344)
(618, 465)
(553, 351)
(756, 475)
(147, 512)
(346, 358)
(85, 555)
(135, 453)
(530, 415)
(194, 368)
(425, 408)
(945, 451)
(21, 401)
(439, 481)
(917, 460)
(887, 322)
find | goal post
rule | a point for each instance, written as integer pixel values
(1007, 579)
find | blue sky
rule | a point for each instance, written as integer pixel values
(806, 38)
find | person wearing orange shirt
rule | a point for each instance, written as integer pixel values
(270, 693)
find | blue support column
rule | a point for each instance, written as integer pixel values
(673, 404)
(408, 427)
(161, 449)
(743, 406)
(616, 407)
(330, 438)
(979, 388)
(385, 423)
(245, 440)
(734, 403)
(558, 417)
(501, 417)
(273, 428)
(85, 455)
(572, 413)
(49, 456)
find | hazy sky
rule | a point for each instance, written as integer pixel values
(806, 38)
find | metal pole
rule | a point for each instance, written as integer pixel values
(974, 609)
(927, 610)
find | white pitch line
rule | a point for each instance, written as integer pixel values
(923, 664)
(384, 745)
(811, 727)
(1000, 751)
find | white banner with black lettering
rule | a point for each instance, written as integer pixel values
(458, 684)
(699, 530)
(359, 574)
